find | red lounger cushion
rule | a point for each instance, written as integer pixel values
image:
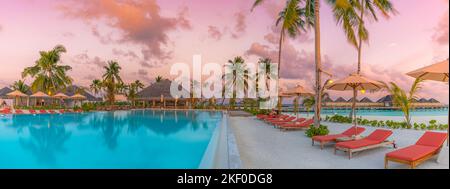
(412, 153)
(433, 139)
(294, 125)
(356, 144)
(354, 131)
(378, 136)
(348, 133)
(284, 120)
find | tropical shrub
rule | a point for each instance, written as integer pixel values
(432, 125)
(317, 131)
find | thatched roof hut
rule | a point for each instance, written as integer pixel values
(340, 99)
(366, 100)
(4, 91)
(423, 100)
(156, 90)
(327, 99)
(72, 90)
(432, 100)
(387, 98)
(351, 100)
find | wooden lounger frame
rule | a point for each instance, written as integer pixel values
(412, 164)
(322, 143)
(292, 128)
(351, 151)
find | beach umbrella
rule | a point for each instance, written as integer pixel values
(61, 96)
(299, 91)
(281, 95)
(355, 83)
(435, 72)
(39, 94)
(78, 97)
(16, 95)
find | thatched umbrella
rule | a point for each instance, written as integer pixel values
(355, 82)
(16, 95)
(78, 97)
(281, 95)
(39, 95)
(299, 91)
(435, 72)
(61, 96)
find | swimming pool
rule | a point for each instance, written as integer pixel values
(141, 139)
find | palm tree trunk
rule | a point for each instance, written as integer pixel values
(355, 94)
(318, 63)
(279, 67)
(360, 38)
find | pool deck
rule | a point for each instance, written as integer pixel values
(263, 147)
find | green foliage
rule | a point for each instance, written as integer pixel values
(49, 76)
(317, 131)
(433, 125)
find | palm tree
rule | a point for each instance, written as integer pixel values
(267, 71)
(111, 79)
(20, 86)
(293, 19)
(312, 10)
(122, 88)
(308, 103)
(48, 74)
(138, 85)
(353, 23)
(133, 89)
(404, 99)
(158, 79)
(96, 86)
(238, 77)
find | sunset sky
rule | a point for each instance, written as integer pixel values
(147, 36)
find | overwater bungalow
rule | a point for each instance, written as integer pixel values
(157, 95)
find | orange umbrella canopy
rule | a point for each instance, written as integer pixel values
(299, 91)
(355, 82)
(435, 72)
(61, 96)
(78, 97)
(16, 93)
(40, 95)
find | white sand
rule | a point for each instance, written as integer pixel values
(264, 147)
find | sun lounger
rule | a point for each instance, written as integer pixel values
(297, 121)
(375, 140)
(278, 118)
(52, 111)
(32, 111)
(43, 112)
(294, 126)
(353, 131)
(61, 111)
(18, 111)
(286, 120)
(5, 111)
(426, 147)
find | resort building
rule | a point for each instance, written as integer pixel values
(157, 95)
(384, 102)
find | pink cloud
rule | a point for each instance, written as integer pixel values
(441, 34)
(84, 58)
(139, 22)
(214, 32)
(241, 24)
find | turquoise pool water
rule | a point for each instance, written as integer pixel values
(141, 139)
